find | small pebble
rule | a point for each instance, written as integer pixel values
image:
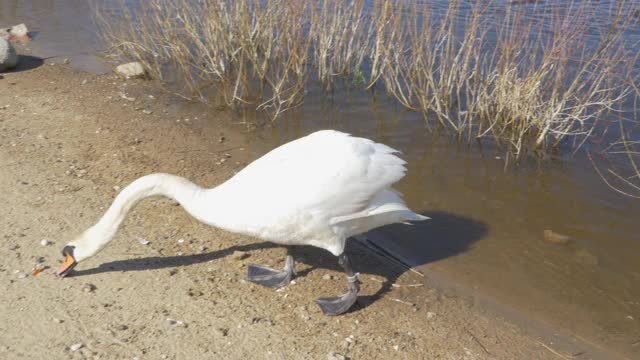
(431, 315)
(177, 323)
(327, 277)
(180, 241)
(147, 112)
(21, 275)
(76, 347)
(58, 321)
(116, 188)
(143, 241)
(44, 242)
(239, 255)
(88, 288)
(335, 356)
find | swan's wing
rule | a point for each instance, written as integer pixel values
(385, 208)
(327, 174)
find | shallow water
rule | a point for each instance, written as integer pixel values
(488, 220)
(61, 29)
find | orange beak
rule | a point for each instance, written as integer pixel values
(68, 264)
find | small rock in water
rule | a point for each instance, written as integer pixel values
(131, 70)
(44, 242)
(553, 237)
(585, 257)
(76, 347)
(19, 31)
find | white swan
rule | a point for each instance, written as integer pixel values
(317, 190)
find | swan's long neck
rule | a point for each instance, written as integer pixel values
(188, 194)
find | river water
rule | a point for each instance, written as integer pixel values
(488, 220)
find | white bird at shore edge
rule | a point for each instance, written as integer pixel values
(318, 190)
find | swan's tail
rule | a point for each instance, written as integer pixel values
(386, 208)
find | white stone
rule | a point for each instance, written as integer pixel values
(19, 30)
(131, 70)
(8, 55)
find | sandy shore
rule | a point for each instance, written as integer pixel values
(70, 140)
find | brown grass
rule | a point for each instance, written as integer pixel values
(528, 82)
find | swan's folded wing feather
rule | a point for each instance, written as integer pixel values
(327, 174)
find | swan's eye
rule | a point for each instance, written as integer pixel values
(68, 250)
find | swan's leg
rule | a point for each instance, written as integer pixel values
(272, 278)
(339, 305)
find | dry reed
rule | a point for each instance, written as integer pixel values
(480, 69)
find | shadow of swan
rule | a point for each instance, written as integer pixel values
(443, 236)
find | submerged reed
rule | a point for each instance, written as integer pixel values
(527, 80)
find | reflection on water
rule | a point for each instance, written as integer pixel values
(488, 221)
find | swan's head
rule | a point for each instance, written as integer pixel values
(76, 251)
